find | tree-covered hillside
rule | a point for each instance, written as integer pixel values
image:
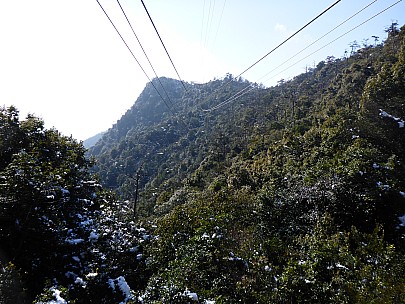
(288, 194)
(262, 199)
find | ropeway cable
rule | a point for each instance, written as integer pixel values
(160, 38)
(143, 70)
(238, 94)
(278, 46)
(144, 52)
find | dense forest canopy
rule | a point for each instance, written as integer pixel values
(288, 194)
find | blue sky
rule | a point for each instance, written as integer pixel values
(63, 61)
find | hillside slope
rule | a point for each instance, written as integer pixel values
(289, 194)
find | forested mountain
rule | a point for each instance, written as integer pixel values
(288, 194)
(90, 142)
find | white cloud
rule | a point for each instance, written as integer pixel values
(282, 29)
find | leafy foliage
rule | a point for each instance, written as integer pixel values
(289, 194)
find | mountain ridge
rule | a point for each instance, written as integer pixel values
(289, 194)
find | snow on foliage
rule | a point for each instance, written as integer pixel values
(192, 295)
(123, 286)
(400, 122)
(93, 236)
(74, 241)
(402, 220)
(58, 299)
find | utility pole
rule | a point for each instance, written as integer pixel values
(137, 177)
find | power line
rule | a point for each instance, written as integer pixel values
(220, 20)
(143, 70)
(144, 52)
(323, 36)
(157, 32)
(232, 98)
(288, 38)
(202, 26)
(123, 40)
(206, 37)
(329, 43)
(278, 46)
(209, 22)
(207, 25)
(238, 94)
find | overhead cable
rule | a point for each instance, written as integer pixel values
(160, 38)
(144, 52)
(251, 66)
(238, 94)
(278, 46)
(143, 70)
(207, 27)
(323, 36)
(209, 22)
(202, 26)
(329, 43)
(220, 20)
(123, 40)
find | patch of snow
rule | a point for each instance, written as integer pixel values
(134, 249)
(111, 283)
(84, 200)
(56, 294)
(64, 191)
(400, 122)
(209, 302)
(74, 241)
(123, 286)
(76, 258)
(402, 193)
(86, 223)
(338, 265)
(192, 295)
(80, 281)
(91, 275)
(93, 236)
(402, 220)
(234, 258)
(267, 268)
(217, 236)
(382, 186)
